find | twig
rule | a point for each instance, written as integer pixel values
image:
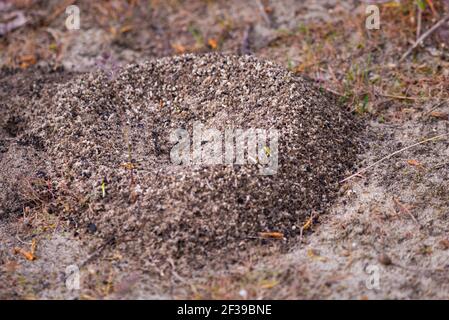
(393, 154)
(58, 10)
(308, 224)
(176, 274)
(99, 250)
(21, 241)
(441, 165)
(438, 105)
(246, 46)
(263, 12)
(404, 209)
(334, 92)
(419, 22)
(441, 269)
(400, 97)
(424, 37)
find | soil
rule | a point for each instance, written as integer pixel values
(389, 224)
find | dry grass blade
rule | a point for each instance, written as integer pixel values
(263, 12)
(404, 210)
(419, 22)
(393, 154)
(424, 37)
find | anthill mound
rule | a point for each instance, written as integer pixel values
(23, 93)
(107, 139)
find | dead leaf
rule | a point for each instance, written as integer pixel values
(268, 284)
(212, 43)
(126, 28)
(128, 165)
(113, 31)
(27, 61)
(28, 255)
(415, 163)
(440, 115)
(179, 48)
(444, 244)
(313, 254)
(271, 235)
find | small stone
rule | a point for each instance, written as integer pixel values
(91, 227)
(384, 259)
(243, 293)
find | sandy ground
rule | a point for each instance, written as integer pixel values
(386, 237)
